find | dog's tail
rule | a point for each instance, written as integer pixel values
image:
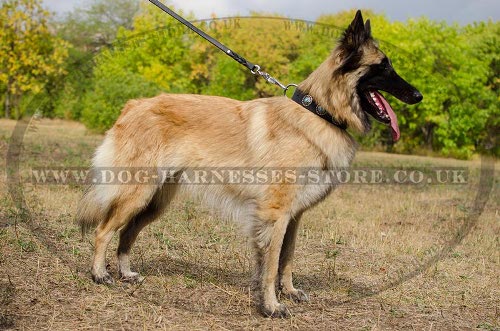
(90, 210)
(97, 200)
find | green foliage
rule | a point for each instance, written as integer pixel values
(443, 62)
(112, 86)
(89, 29)
(225, 79)
(31, 57)
(140, 64)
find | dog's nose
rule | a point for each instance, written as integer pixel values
(417, 96)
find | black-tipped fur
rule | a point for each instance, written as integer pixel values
(351, 44)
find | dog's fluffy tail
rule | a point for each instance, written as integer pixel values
(97, 200)
(90, 211)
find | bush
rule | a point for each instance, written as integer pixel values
(112, 88)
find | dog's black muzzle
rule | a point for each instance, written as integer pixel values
(392, 83)
(384, 77)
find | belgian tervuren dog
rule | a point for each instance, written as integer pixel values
(183, 132)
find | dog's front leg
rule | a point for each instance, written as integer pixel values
(286, 263)
(268, 241)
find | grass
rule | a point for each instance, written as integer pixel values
(197, 267)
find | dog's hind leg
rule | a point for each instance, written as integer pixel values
(268, 239)
(123, 210)
(129, 233)
(286, 263)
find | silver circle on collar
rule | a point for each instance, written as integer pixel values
(307, 100)
(320, 110)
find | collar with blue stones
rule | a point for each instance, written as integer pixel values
(308, 102)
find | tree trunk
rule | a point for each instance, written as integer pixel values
(8, 98)
(428, 131)
(6, 106)
(17, 98)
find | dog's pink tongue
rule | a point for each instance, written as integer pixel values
(394, 120)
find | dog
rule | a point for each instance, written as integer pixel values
(193, 131)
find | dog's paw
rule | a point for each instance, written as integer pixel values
(131, 277)
(278, 310)
(103, 278)
(298, 296)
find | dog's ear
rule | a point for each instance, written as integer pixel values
(352, 40)
(356, 34)
(368, 29)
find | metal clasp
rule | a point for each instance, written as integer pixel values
(271, 79)
(255, 69)
(267, 77)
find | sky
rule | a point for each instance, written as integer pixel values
(460, 11)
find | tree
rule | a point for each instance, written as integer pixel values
(142, 62)
(484, 38)
(90, 29)
(445, 65)
(97, 23)
(30, 55)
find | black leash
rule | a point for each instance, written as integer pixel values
(299, 97)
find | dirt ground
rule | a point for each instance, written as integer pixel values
(371, 257)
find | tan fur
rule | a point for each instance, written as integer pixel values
(184, 131)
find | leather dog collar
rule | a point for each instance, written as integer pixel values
(308, 102)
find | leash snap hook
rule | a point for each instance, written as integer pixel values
(256, 69)
(270, 79)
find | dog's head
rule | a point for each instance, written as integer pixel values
(363, 69)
